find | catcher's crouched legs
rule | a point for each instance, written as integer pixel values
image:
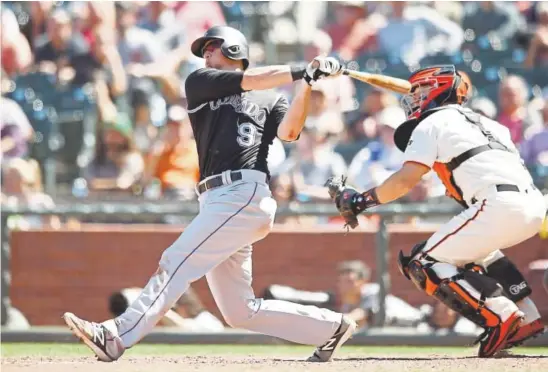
(470, 293)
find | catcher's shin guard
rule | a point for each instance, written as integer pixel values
(464, 291)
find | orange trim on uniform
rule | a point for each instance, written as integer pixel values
(492, 319)
(460, 227)
(448, 181)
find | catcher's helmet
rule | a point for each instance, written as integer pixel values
(434, 86)
(234, 44)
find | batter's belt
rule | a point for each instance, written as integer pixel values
(228, 177)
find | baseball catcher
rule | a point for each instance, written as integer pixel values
(462, 265)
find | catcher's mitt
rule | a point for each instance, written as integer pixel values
(344, 199)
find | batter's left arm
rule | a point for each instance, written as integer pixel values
(293, 121)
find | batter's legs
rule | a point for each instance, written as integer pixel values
(230, 218)
(230, 284)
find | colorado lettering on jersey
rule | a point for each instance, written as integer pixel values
(233, 128)
(242, 106)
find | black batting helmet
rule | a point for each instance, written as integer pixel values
(234, 43)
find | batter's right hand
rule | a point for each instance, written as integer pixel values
(321, 67)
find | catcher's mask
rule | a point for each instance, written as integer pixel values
(434, 86)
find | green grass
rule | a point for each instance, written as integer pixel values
(50, 349)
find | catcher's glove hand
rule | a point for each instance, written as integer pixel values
(344, 198)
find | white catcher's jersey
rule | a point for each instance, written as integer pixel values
(447, 133)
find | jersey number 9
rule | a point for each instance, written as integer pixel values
(247, 132)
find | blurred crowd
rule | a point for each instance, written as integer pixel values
(93, 106)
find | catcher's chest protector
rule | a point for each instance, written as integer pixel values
(445, 170)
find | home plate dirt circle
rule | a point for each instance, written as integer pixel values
(229, 363)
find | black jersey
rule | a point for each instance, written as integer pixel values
(233, 128)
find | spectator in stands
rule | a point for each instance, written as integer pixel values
(38, 14)
(16, 54)
(496, 20)
(484, 106)
(339, 92)
(453, 10)
(537, 55)
(284, 191)
(22, 187)
(513, 111)
(93, 17)
(105, 66)
(312, 161)
(165, 72)
(379, 159)
(15, 128)
(119, 165)
(198, 16)
(534, 151)
(142, 102)
(62, 52)
(283, 188)
(159, 18)
(363, 127)
(442, 320)
(135, 44)
(108, 76)
(173, 159)
(157, 15)
(413, 32)
(354, 32)
(321, 117)
(188, 313)
(359, 298)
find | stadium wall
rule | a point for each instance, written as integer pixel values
(54, 271)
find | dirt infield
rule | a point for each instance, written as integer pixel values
(272, 363)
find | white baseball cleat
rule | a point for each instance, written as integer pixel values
(107, 346)
(325, 352)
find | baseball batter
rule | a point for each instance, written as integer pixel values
(235, 117)
(461, 264)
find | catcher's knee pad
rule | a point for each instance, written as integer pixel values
(510, 278)
(403, 260)
(464, 291)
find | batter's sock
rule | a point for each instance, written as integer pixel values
(528, 307)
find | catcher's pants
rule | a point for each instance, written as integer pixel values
(217, 243)
(498, 220)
